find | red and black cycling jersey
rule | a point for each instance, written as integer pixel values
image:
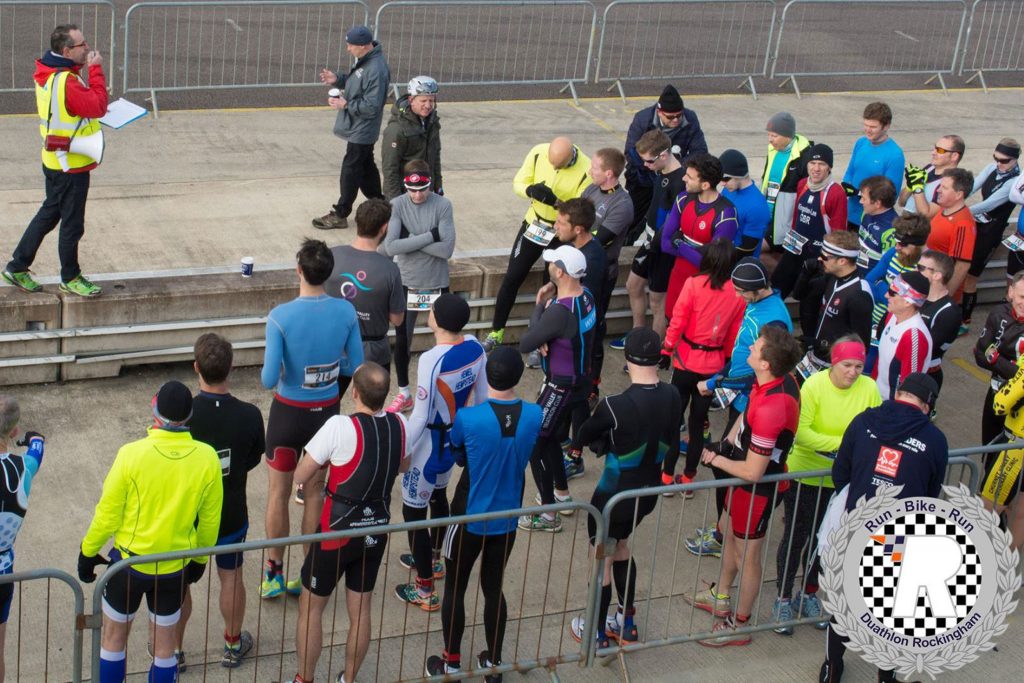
(770, 423)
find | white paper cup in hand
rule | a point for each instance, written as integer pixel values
(247, 264)
(334, 92)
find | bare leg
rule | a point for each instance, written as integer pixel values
(279, 488)
(636, 288)
(1015, 520)
(750, 573)
(115, 635)
(660, 322)
(309, 633)
(358, 641)
(232, 600)
(179, 628)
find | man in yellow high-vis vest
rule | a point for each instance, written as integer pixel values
(69, 107)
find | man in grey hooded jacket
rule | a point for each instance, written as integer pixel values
(360, 110)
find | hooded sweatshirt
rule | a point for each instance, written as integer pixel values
(87, 100)
(891, 445)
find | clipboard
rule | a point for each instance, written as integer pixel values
(122, 112)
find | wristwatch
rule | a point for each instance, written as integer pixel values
(919, 191)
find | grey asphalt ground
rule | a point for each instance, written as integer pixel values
(187, 190)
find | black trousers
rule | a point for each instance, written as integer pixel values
(597, 359)
(403, 342)
(358, 173)
(805, 507)
(520, 260)
(462, 548)
(686, 383)
(66, 194)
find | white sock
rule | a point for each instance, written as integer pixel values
(404, 391)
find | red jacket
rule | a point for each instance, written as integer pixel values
(705, 317)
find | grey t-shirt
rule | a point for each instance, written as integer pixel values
(614, 216)
(372, 283)
(422, 260)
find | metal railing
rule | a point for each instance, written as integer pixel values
(35, 654)
(670, 39)
(171, 46)
(992, 41)
(489, 42)
(538, 586)
(25, 28)
(868, 37)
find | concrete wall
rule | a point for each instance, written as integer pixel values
(50, 336)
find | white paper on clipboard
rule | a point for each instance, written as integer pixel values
(122, 112)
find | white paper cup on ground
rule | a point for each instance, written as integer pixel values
(247, 264)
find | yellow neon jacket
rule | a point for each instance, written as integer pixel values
(55, 119)
(163, 493)
(567, 183)
(1009, 401)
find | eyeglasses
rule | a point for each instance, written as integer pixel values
(942, 150)
(648, 162)
(672, 117)
(826, 257)
(892, 292)
(922, 268)
(1000, 160)
(81, 44)
(413, 190)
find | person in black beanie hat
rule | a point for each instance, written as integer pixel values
(681, 126)
(644, 420)
(172, 405)
(753, 213)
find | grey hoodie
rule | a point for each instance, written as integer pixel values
(366, 89)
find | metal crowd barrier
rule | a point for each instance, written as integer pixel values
(40, 648)
(672, 39)
(868, 37)
(172, 46)
(26, 28)
(489, 42)
(992, 41)
(664, 615)
(544, 588)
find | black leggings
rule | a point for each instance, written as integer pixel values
(805, 507)
(520, 260)
(403, 342)
(561, 405)
(423, 543)
(461, 550)
(597, 359)
(835, 648)
(787, 273)
(686, 382)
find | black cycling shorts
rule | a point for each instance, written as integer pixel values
(290, 427)
(653, 266)
(987, 241)
(358, 561)
(164, 593)
(625, 517)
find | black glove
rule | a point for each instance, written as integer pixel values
(87, 566)
(812, 266)
(28, 436)
(539, 192)
(601, 445)
(850, 190)
(665, 362)
(439, 192)
(194, 572)
(436, 233)
(723, 448)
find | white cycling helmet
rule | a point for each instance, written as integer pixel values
(422, 85)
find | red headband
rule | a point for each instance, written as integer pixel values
(417, 181)
(848, 350)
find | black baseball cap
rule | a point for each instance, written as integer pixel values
(643, 346)
(922, 386)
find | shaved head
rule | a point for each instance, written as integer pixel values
(560, 152)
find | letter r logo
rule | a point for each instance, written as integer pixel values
(928, 562)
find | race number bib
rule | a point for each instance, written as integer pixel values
(421, 299)
(863, 260)
(1014, 242)
(539, 233)
(794, 242)
(320, 376)
(723, 398)
(224, 456)
(772, 192)
(807, 366)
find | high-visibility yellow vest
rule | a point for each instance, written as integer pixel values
(55, 119)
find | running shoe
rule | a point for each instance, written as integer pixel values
(618, 344)
(616, 630)
(272, 586)
(401, 404)
(782, 610)
(483, 660)
(712, 602)
(330, 221)
(574, 467)
(409, 562)
(436, 666)
(705, 545)
(409, 594)
(81, 286)
(233, 656)
(809, 606)
(533, 360)
(180, 656)
(576, 627)
(293, 587)
(963, 329)
(300, 495)
(829, 673)
(668, 480)
(558, 499)
(23, 280)
(494, 339)
(540, 523)
(727, 635)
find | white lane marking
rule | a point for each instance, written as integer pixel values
(238, 28)
(899, 33)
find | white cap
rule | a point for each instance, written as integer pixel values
(568, 258)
